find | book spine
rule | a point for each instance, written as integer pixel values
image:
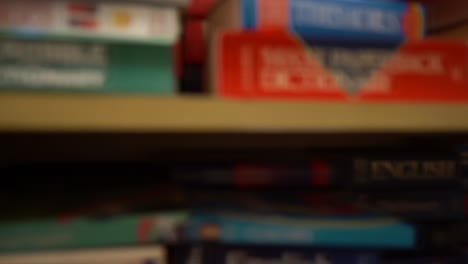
(392, 171)
(463, 166)
(200, 8)
(302, 232)
(442, 16)
(90, 232)
(405, 171)
(121, 255)
(338, 20)
(424, 260)
(83, 66)
(281, 66)
(188, 253)
(417, 206)
(318, 173)
(195, 41)
(446, 234)
(195, 56)
(237, 254)
(109, 21)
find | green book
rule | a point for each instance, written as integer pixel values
(85, 65)
(90, 232)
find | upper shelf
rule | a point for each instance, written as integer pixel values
(34, 112)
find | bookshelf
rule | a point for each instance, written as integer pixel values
(33, 112)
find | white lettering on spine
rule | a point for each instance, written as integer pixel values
(290, 69)
(44, 52)
(40, 77)
(337, 16)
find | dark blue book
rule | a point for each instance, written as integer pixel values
(416, 205)
(216, 253)
(391, 171)
(316, 173)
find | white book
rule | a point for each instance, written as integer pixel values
(129, 21)
(129, 255)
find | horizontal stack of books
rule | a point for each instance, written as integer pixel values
(92, 46)
(358, 207)
(339, 50)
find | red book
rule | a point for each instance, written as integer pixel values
(282, 66)
(200, 8)
(195, 41)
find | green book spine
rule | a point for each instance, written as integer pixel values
(91, 232)
(86, 66)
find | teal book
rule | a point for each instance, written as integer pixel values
(354, 231)
(90, 66)
(91, 232)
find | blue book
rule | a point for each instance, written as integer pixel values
(322, 231)
(342, 20)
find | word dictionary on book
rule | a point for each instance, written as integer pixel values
(279, 65)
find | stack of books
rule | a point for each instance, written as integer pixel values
(92, 46)
(366, 207)
(338, 50)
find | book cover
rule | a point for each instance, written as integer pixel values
(355, 20)
(322, 231)
(103, 20)
(282, 66)
(123, 255)
(88, 231)
(86, 66)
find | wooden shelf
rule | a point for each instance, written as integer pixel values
(34, 112)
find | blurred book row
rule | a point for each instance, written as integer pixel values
(333, 50)
(341, 207)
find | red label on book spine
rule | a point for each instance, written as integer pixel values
(281, 66)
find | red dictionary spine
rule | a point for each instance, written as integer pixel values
(281, 66)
